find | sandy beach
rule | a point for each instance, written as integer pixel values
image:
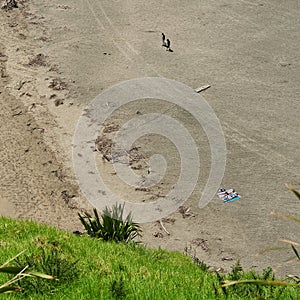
(57, 56)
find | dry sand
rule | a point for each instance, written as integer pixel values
(56, 56)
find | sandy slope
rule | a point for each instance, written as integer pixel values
(246, 50)
(34, 184)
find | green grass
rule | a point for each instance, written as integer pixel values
(109, 270)
(111, 226)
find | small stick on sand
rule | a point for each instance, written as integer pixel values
(163, 227)
(202, 88)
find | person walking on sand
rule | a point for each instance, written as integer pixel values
(163, 37)
(168, 44)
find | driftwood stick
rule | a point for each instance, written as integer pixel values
(202, 88)
(163, 227)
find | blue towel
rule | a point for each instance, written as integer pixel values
(232, 199)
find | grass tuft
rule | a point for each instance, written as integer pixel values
(111, 226)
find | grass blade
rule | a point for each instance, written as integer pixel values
(272, 249)
(285, 216)
(40, 275)
(11, 270)
(291, 188)
(10, 289)
(227, 283)
(7, 262)
(289, 242)
(295, 251)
